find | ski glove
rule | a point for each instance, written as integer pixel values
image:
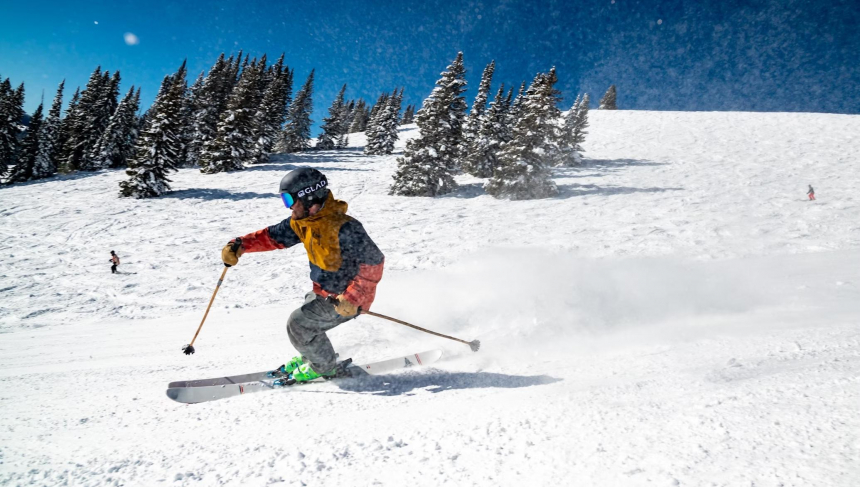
(344, 307)
(232, 251)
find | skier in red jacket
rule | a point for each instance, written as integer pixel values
(345, 267)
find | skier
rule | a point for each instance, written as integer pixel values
(114, 260)
(345, 268)
(811, 193)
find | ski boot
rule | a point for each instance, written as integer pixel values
(286, 369)
(306, 373)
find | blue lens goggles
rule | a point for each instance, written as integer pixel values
(288, 200)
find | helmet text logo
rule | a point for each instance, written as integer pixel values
(311, 189)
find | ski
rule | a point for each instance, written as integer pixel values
(204, 390)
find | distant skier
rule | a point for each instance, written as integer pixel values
(811, 193)
(345, 268)
(114, 260)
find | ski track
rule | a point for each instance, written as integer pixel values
(678, 315)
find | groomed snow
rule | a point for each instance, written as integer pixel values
(678, 315)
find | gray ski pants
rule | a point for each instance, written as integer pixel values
(306, 328)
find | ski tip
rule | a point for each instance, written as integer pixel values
(430, 355)
(173, 393)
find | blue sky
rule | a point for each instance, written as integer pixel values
(787, 55)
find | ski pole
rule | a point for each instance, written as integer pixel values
(189, 349)
(474, 344)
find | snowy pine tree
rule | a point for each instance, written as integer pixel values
(296, 135)
(494, 133)
(206, 112)
(11, 115)
(573, 133)
(112, 147)
(188, 118)
(516, 107)
(373, 118)
(360, 117)
(24, 169)
(428, 163)
(346, 121)
(97, 118)
(408, 115)
(271, 113)
(66, 128)
(608, 100)
(233, 145)
(158, 147)
(524, 163)
(382, 133)
(472, 124)
(136, 126)
(332, 126)
(78, 124)
(49, 136)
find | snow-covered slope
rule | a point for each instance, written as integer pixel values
(678, 315)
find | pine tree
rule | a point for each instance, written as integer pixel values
(472, 124)
(296, 135)
(373, 118)
(11, 115)
(263, 80)
(333, 124)
(272, 110)
(383, 135)
(573, 133)
(49, 135)
(190, 104)
(608, 100)
(482, 158)
(78, 129)
(233, 73)
(359, 117)
(67, 125)
(158, 146)
(268, 119)
(96, 119)
(208, 105)
(524, 164)
(346, 121)
(374, 111)
(516, 106)
(371, 131)
(233, 146)
(135, 126)
(112, 147)
(408, 115)
(24, 169)
(427, 166)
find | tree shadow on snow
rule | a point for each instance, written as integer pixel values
(61, 177)
(288, 162)
(470, 190)
(216, 194)
(618, 163)
(438, 381)
(571, 190)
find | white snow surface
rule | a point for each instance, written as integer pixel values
(679, 315)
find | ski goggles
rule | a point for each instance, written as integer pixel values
(288, 200)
